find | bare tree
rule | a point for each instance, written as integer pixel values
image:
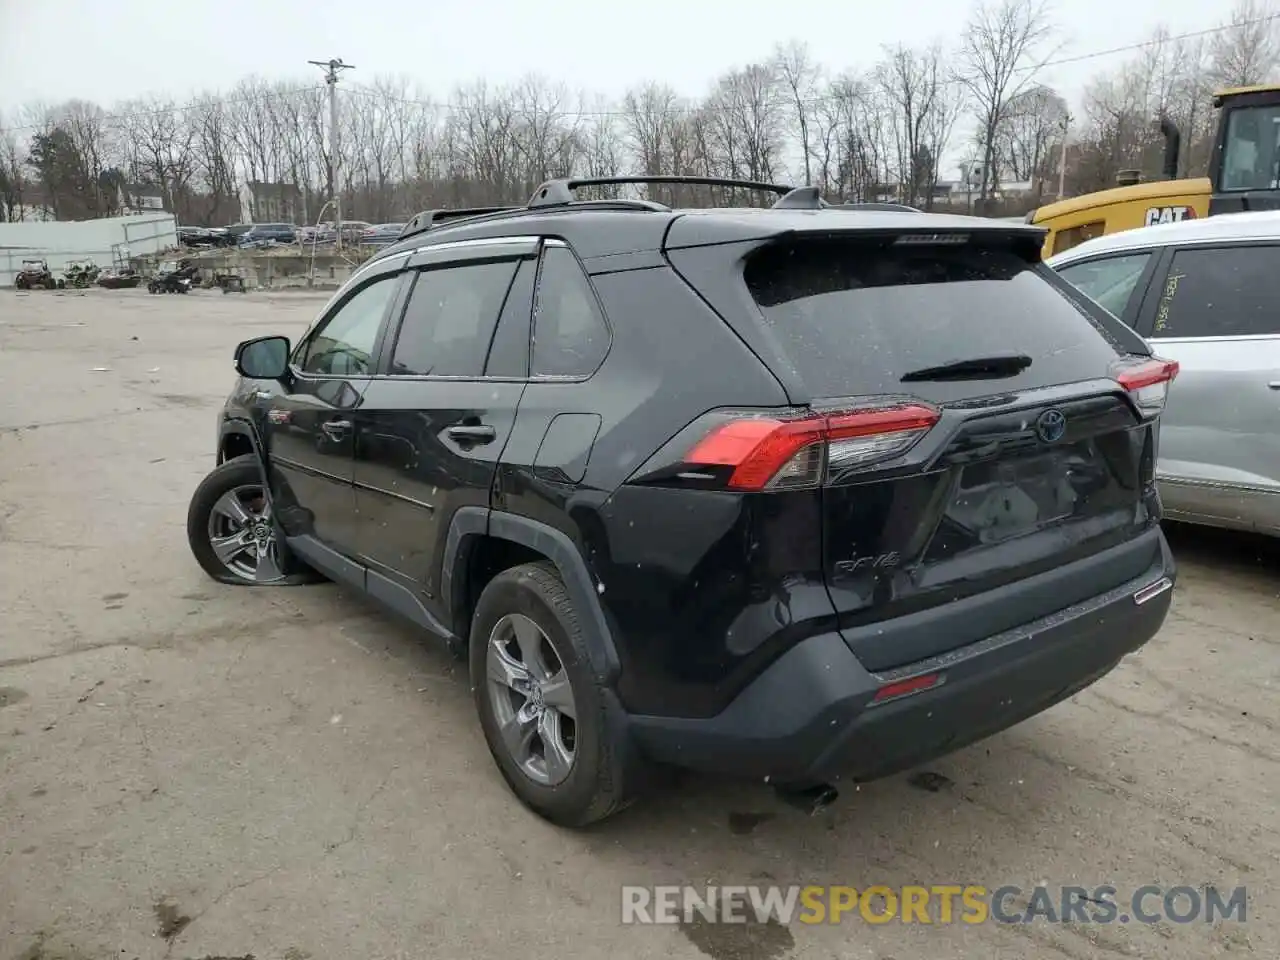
(650, 115)
(919, 116)
(547, 136)
(1032, 124)
(1245, 53)
(851, 139)
(799, 75)
(12, 181)
(747, 124)
(996, 61)
(215, 150)
(602, 143)
(160, 149)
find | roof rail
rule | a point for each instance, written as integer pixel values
(560, 192)
(877, 205)
(424, 221)
(810, 198)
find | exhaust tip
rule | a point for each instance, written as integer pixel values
(809, 800)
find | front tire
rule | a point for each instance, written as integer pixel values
(553, 729)
(231, 531)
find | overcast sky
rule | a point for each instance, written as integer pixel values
(111, 50)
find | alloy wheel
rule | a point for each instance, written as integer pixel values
(532, 699)
(243, 536)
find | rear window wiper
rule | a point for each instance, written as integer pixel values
(975, 368)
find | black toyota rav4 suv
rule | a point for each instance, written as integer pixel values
(800, 493)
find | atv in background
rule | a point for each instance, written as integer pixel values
(81, 274)
(36, 274)
(177, 277)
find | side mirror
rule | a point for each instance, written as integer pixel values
(266, 358)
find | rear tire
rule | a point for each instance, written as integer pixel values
(603, 771)
(232, 535)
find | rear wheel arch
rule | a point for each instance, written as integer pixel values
(484, 542)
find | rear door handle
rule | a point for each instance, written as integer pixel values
(473, 433)
(335, 429)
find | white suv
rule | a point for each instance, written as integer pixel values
(1207, 294)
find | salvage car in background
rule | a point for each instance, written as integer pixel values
(268, 234)
(381, 234)
(1207, 294)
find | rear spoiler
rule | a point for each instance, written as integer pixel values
(759, 227)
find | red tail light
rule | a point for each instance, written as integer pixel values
(1148, 384)
(768, 453)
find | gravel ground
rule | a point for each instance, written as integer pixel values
(193, 770)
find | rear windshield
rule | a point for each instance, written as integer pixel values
(855, 317)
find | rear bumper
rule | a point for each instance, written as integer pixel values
(809, 718)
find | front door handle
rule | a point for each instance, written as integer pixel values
(1274, 384)
(335, 429)
(473, 433)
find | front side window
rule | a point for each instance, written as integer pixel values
(1109, 281)
(342, 345)
(1220, 292)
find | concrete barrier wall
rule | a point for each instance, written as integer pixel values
(60, 242)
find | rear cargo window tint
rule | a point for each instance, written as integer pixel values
(854, 317)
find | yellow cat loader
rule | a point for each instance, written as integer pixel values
(1244, 174)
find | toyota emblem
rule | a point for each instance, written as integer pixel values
(1051, 425)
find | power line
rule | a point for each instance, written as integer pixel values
(814, 101)
(180, 109)
(450, 107)
(1157, 41)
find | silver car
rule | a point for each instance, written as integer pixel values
(1207, 294)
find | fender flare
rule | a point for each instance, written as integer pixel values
(474, 521)
(248, 429)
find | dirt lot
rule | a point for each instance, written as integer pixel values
(192, 770)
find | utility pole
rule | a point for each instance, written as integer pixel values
(1062, 156)
(331, 70)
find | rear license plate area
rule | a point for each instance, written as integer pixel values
(995, 501)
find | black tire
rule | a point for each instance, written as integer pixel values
(606, 769)
(239, 472)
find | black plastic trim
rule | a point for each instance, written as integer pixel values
(552, 544)
(806, 719)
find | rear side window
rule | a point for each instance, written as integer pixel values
(570, 337)
(1220, 292)
(854, 317)
(449, 320)
(1110, 281)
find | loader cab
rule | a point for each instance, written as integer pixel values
(1245, 166)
